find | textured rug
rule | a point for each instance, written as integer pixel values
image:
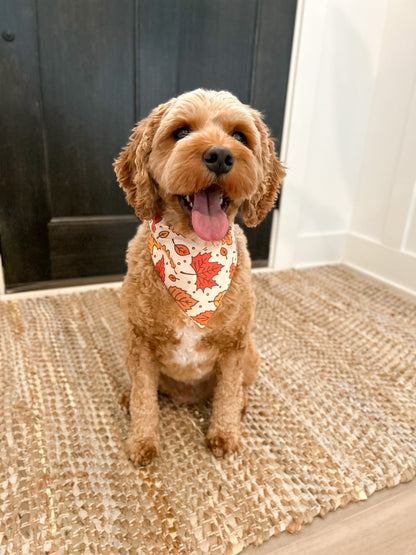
(331, 419)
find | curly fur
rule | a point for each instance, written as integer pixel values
(153, 169)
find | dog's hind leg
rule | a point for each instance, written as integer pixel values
(251, 363)
(125, 398)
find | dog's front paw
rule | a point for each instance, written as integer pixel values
(221, 441)
(142, 450)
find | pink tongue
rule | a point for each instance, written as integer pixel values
(208, 219)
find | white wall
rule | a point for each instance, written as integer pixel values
(350, 137)
(382, 237)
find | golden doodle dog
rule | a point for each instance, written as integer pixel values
(186, 170)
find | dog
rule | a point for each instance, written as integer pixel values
(186, 170)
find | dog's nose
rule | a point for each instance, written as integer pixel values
(218, 159)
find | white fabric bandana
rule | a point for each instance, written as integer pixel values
(196, 277)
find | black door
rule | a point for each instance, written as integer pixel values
(75, 77)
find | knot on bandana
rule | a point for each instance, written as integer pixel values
(196, 277)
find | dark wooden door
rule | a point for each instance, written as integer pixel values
(75, 77)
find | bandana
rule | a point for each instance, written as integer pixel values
(196, 277)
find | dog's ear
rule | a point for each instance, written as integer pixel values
(255, 209)
(131, 166)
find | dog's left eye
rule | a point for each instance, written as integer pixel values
(181, 133)
(238, 136)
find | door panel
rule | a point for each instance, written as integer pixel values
(87, 61)
(75, 241)
(79, 74)
(216, 47)
(158, 24)
(24, 209)
(272, 61)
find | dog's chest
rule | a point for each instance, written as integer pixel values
(187, 352)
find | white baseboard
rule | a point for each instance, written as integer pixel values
(316, 249)
(394, 267)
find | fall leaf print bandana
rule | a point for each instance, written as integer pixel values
(196, 277)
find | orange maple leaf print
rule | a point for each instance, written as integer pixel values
(184, 299)
(203, 318)
(205, 270)
(232, 270)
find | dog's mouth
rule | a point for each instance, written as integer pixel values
(206, 209)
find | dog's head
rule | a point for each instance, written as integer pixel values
(196, 159)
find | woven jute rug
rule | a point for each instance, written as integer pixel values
(331, 419)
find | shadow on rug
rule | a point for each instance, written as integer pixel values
(331, 419)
